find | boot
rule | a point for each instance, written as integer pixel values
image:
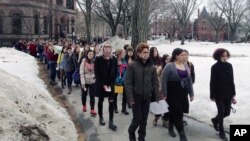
(185, 123)
(101, 121)
(84, 108)
(125, 112)
(93, 113)
(215, 124)
(165, 123)
(112, 126)
(116, 110)
(132, 137)
(171, 130)
(183, 136)
(222, 135)
(155, 121)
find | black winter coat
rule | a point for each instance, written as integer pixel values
(105, 73)
(222, 81)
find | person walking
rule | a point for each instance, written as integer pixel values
(105, 73)
(88, 81)
(70, 67)
(141, 83)
(121, 73)
(61, 65)
(176, 85)
(222, 88)
(52, 61)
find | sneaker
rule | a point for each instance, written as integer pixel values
(93, 113)
(84, 108)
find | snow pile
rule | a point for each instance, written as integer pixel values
(27, 111)
(202, 108)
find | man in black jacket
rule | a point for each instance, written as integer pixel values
(105, 73)
(140, 83)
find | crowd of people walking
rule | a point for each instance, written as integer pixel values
(141, 75)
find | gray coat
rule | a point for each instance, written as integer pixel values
(141, 79)
(70, 62)
(170, 73)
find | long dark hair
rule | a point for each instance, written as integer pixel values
(87, 59)
(175, 53)
(156, 60)
(164, 57)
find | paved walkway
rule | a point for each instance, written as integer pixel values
(195, 131)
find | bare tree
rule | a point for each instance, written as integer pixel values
(216, 20)
(234, 11)
(110, 11)
(246, 26)
(140, 22)
(87, 4)
(183, 10)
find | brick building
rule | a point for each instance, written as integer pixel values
(32, 19)
(204, 31)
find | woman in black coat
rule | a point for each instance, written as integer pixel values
(105, 73)
(222, 88)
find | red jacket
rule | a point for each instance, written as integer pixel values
(32, 49)
(51, 56)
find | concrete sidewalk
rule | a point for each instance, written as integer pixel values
(195, 131)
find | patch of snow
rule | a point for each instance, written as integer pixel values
(24, 100)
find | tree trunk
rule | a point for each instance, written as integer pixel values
(113, 30)
(217, 38)
(183, 32)
(232, 35)
(140, 22)
(88, 20)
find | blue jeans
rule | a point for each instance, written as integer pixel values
(52, 67)
(69, 78)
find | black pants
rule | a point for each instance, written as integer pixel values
(140, 110)
(124, 100)
(111, 106)
(165, 116)
(176, 119)
(91, 89)
(224, 108)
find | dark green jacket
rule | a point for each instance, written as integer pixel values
(141, 79)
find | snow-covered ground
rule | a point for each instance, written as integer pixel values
(24, 100)
(201, 55)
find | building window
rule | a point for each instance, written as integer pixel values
(36, 24)
(45, 24)
(59, 2)
(16, 23)
(70, 4)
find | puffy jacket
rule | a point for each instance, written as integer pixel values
(141, 79)
(87, 75)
